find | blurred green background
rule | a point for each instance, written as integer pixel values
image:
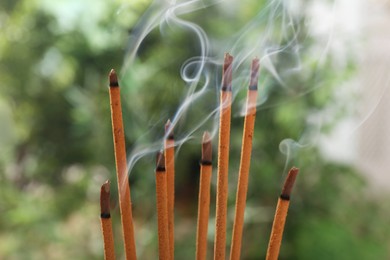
(56, 140)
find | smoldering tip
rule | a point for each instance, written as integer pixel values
(169, 130)
(254, 74)
(227, 73)
(113, 78)
(160, 162)
(289, 183)
(206, 149)
(106, 186)
(105, 200)
(228, 59)
(206, 137)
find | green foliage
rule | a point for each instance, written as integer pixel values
(56, 140)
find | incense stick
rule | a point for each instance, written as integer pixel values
(280, 216)
(204, 197)
(170, 168)
(162, 208)
(246, 150)
(223, 159)
(105, 221)
(121, 167)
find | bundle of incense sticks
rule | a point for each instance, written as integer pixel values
(165, 181)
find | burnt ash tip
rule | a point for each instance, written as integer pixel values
(254, 74)
(169, 130)
(228, 59)
(106, 186)
(206, 137)
(227, 73)
(160, 162)
(207, 151)
(113, 78)
(105, 215)
(105, 200)
(289, 183)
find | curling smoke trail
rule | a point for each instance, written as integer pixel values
(273, 30)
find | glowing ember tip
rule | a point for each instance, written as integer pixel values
(113, 78)
(289, 183)
(105, 199)
(160, 162)
(206, 148)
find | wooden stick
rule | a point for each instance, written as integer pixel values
(280, 216)
(170, 168)
(246, 150)
(204, 197)
(105, 221)
(121, 167)
(162, 208)
(223, 159)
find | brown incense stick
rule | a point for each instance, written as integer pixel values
(105, 221)
(204, 197)
(246, 150)
(121, 167)
(280, 216)
(223, 159)
(170, 168)
(162, 208)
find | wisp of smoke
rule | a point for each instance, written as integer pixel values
(273, 30)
